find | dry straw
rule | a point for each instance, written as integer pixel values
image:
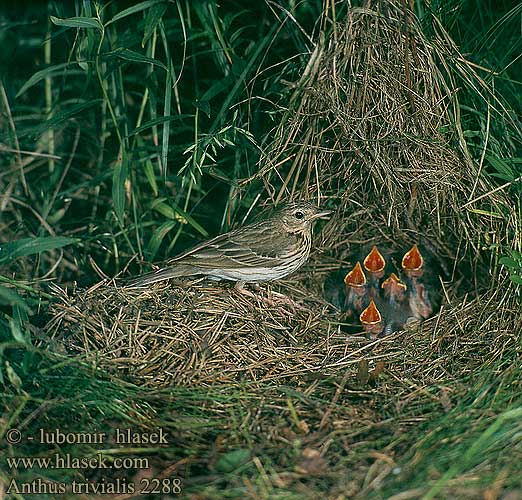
(372, 127)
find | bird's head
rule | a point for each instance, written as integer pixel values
(298, 217)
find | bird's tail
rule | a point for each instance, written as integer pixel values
(161, 274)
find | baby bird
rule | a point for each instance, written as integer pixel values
(374, 265)
(396, 308)
(355, 291)
(371, 320)
(418, 295)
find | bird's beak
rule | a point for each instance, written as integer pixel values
(321, 214)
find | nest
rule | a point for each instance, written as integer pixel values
(369, 130)
(196, 332)
(200, 333)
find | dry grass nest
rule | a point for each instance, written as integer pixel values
(368, 129)
(201, 333)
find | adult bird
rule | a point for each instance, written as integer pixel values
(265, 250)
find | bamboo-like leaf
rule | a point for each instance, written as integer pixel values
(44, 73)
(167, 104)
(157, 237)
(178, 214)
(486, 212)
(135, 9)
(119, 177)
(159, 121)
(11, 298)
(240, 80)
(503, 168)
(133, 56)
(78, 22)
(154, 16)
(59, 117)
(166, 210)
(217, 87)
(149, 174)
(29, 246)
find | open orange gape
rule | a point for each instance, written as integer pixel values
(380, 298)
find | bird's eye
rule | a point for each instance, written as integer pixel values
(299, 215)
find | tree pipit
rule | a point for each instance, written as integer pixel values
(266, 250)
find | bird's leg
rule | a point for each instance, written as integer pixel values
(273, 299)
(281, 298)
(240, 287)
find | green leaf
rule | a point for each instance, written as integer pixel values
(203, 106)
(29, 246)
(43, 73)
(149, 174)
(516, 279)
(154, 16)
(59, 117)
(242, 77)
(131, 55)
(509, 262)
(167, 211)
(505, 171)
(118, 190)
(158, 121)
(134, 9)
(119, 177)
(507, 178)
(176, 213)
(157, 237)
(16, 331)
(218, 86)
(486, 212)
(11, 298)
(232, 460)
(167, 103)
(78, 22)
(12, 376)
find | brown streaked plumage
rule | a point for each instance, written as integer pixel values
(265, 250)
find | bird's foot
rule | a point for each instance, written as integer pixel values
(273, 299)
(281, 298)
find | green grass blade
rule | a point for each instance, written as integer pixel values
(154, 16)
(158, 121)
(178, 214)
(59, 118)
(55, 70)
(118, 187)
(167, 105)
(133, 56)
(30, 246)
(157, 237)
(78, 22)
(135, 9)
(11, 298)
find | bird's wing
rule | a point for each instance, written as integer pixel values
(235, 248)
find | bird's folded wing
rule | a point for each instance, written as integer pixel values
(230, 250)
